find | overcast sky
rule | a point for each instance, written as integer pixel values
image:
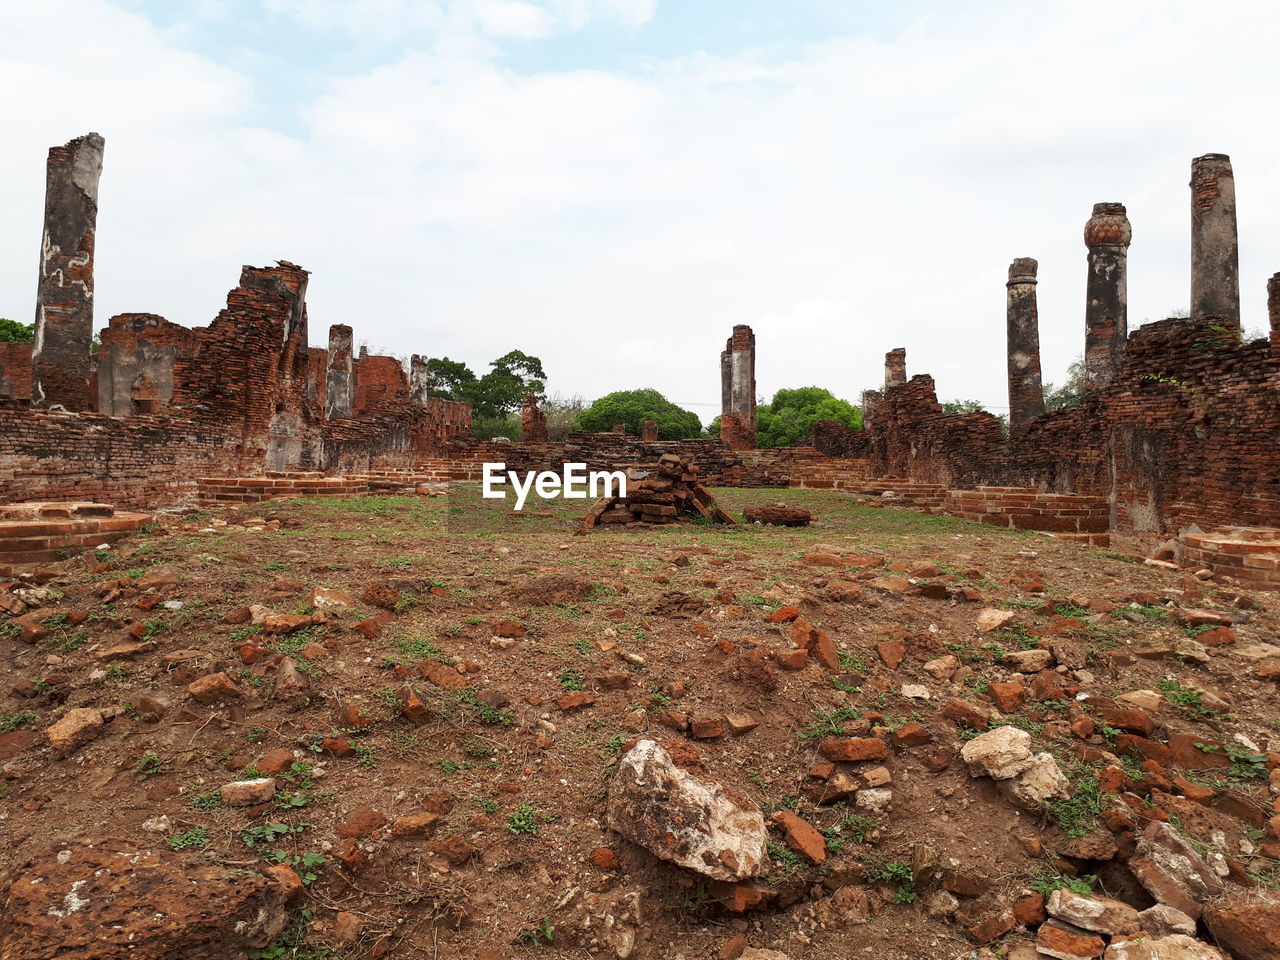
(611, 185)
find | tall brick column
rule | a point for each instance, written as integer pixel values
(1215, 251)
(895, 367)
(1106, 313)
(419, 379)
(738, 389)
(870, 402)
(339, 387)
(64, 299)
(1273, 314)
(1026, 392)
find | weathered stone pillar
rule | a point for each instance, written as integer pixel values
(64, 299)
(1273, 314)
(1215, 251)
(649, 431)
(1026, 392)
(338, 386)
(895, 367)
(1106, 314)
(419, 380)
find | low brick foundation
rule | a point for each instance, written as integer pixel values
(42, 532)
(1250, 555)
(1025, 508)
(278, 485)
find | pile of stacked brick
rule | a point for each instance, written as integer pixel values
(662, 496)
(1249, 555)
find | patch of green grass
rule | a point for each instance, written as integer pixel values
(267, 833)
(1150, 610)
(420, 648)
(572, 679)
(1070, 610)
(12, 721)
(830, 723)
(1078, 816)
(783, 855)
(1045, 883)
(149, 766)
(207, 801)
(853, 828)
(897, 872)
(540, 933)
(1186, 700)
(197, 838)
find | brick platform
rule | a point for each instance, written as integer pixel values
(1025, 508)
(33, 533)
(908, 492)
(278, 485)
(1250, 555)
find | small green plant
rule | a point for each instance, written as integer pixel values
(852, 828)
(366, 756)
(897, 872)
(523, 820)
(12, 721)
(197, 838)
(267, 833)
(1079, 815)
(1188, 701)
(1045, 883)
(572, 679)
(1246, 764)
(783, 855)
(149, 766)
(540, 933)
(206, 801)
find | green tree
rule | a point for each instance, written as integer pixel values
(562, 412)
(961, 406)
(1071, 392)
(448, 379)
(13, 332)
(502, 389)
(790, 416)
(633, 408)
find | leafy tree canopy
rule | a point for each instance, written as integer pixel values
(633, 408)
(11, 331)
(1071, 392)
(496, 394)
(790, 416)
(961, 406)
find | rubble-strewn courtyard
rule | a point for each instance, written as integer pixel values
(349, 727)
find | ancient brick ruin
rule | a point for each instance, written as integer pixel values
(162, 405)
(1176, 432)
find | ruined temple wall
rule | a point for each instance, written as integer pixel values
(398, 437)
(140, 462)
(15, 371)
(1194, 417)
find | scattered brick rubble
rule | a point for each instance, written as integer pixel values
(663, 496)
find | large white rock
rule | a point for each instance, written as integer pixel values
(1175, 947)
(1000, 754)
(1101, 914)
(1040, 782)
(686, 819)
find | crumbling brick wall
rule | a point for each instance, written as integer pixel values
(380, 383)
(136, 358)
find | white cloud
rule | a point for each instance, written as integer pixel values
(844, 198)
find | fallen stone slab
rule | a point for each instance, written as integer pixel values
(684, 818)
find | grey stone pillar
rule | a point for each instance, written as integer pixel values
(1026, 392)
(64, 299)
(419, 380)
(1106, 314)
(870, 402)
(339, 388)
(895, 367)
(1215, 251)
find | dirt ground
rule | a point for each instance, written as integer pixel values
(511, 733)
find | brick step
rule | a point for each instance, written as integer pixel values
(32, 533)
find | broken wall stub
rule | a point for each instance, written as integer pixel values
(136, 357)
(15, 371)
(533, 422)
(419, 379)
(1215, 252)
(61, 363)
(895, 367)
(738, 389)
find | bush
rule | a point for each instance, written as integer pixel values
(790, 416)
(13, 332)
(633, 408)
